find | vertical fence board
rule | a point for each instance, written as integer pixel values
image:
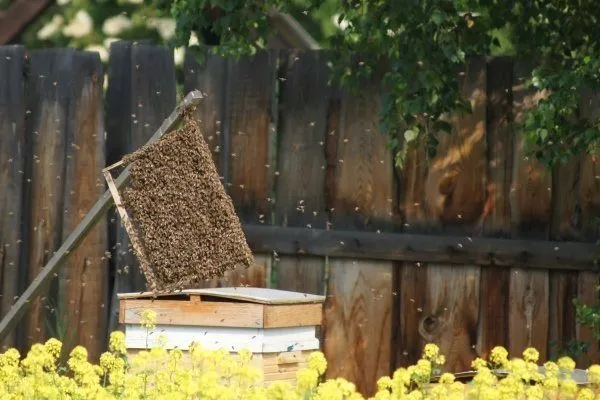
(588, 294)
(455, 187)
(300, 185)
(589, 203)
(358, 312)
(561, 318)
(530, 218)
(250, 97)
(209, 77)
(493, 317)
(48, 92)
(249, 110)
(12, 142)
(141, 95)
(455, 193)
(84, 279)
(359, 301)
(563, 284)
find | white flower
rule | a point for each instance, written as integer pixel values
(341, 25)
(80, 26)
(179, 56)
(63, 2)
(113, 26)
(164, 26)
(193, 40)
(51, 28)
(100, 49)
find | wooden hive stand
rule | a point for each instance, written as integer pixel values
(278, 327)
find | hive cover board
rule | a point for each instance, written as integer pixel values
(247, 294)
(185, 221)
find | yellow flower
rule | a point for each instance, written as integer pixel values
(566, 364)
(568, 387)
(586, 394)
(440, 360)
(431, 352)
(534, 393)
(306, 380)
(116, 343)
(384, 383)
(317, 362)
(499, 356)
(423, 368)
(447, 378)
(148, 319)
(531, 355)
(593, 374)
(551, 368)
(478, 363)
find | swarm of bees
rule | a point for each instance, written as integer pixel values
(183, 217)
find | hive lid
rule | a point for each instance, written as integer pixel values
(248, 294)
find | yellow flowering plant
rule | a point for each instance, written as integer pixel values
(158, 374)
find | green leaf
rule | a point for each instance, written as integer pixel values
(438, 17)
(410, 135)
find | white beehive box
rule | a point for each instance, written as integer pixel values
(278, 327)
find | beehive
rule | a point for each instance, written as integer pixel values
(278, 327)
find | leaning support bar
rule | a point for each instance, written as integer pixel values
(12, 318)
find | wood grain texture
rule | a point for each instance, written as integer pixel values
(300, 186)
(210, 78)
(493, 317)
(293, 315)
(358, 311)
(451, 313)
(531, 209)
(587, 293)
(48, 93)
(528, 312)
(561, 312)
(455, 186)
(84, 280)
(249, 101)
(12, 143)
(357, 326)
(410, 294)
(364, 171)
(222, 313)
(448, 196)
(530, 193)
(141, 88)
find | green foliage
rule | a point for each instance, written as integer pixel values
(413, 49)
(417, 48)
(589, 315)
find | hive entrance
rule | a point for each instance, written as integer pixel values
(181, 222)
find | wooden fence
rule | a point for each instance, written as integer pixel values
(479, 247)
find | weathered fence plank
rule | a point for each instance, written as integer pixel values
(531, 203)
(12, 143)
(141, 94)
(455, 197)
(48, 92)
(300, 184)
(249, 115)
(493, 318)
(589, 202)
(210, 77)
(83, 283)
(363, 201)
(358, 322)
